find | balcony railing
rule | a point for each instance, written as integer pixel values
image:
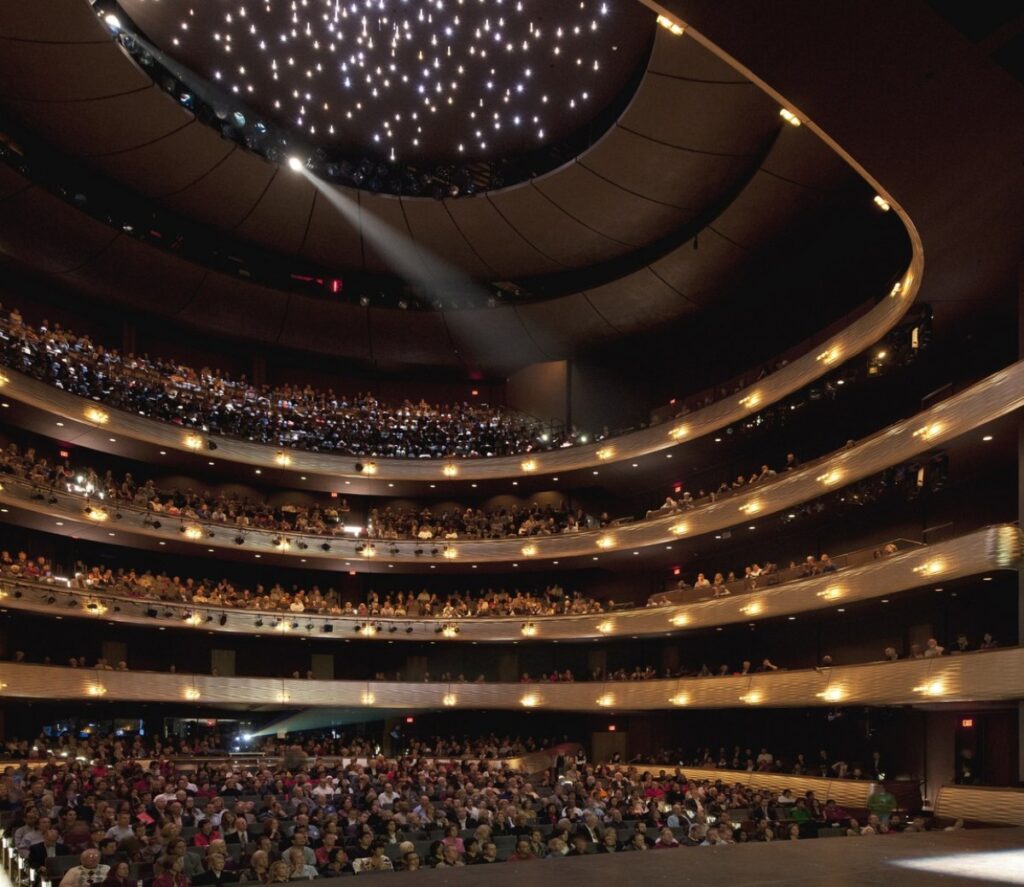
(991, 675)
(992, 548)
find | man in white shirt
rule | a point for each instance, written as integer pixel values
(388, 797)
(89, 872)
(122, 828)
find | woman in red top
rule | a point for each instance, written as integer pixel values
(205, 834)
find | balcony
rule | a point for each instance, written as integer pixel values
(986, 676)
(992, 548)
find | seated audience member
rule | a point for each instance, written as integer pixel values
(48, 848)
(119, 876)
(216, 872)
(89, 871)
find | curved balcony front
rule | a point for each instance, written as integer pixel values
(87, 423)
(992, 548)
(991, 675)
(987, 400)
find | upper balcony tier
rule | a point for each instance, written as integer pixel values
(92, 422)
(992, 548)
(989, 399)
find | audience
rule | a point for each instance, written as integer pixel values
(319, 817)
(286, 416)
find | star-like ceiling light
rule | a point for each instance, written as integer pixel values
(408, 78)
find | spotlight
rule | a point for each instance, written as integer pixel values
(310, 626)
(302, 546)
(113, 22)
(435, 551)
(408, 630)
(418, 551)
(223, 619)
(393, 629)
(152, 613)
(295, 625)
(239, 540)
(294, 164)
(259, 622)
(157, 525)
(356, 629)
(326, 547)
(210, 445)
(327, 628)
(51, 599)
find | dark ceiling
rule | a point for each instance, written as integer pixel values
(608, 239)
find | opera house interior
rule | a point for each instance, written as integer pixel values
(439, 433)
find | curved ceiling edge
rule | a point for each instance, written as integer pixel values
(985, 675)
(991, 548)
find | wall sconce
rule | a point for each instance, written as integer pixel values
(528, 465)
(193, 442)
(679, 432)
(282, 458)
(450, 470)
(530, 700)
(606, 542)
(97, 416)
(449, 699)
(529, 629)
(529, 550)
(680, 529)
(606, 627)
(192, 694)
(605, 453)
(606, 701)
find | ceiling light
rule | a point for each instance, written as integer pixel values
(789, 117)
(295, 164)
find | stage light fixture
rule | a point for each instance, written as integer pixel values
(295, 164)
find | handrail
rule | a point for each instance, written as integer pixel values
(996, 547)
(992, 397)
(989, 675)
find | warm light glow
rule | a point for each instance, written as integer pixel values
(606, 627)
(295, 164)
(192, 694)
(671, 26)
(830, 356)
(283, 696)
(529, 550)
(3, 380)
(929, 431)
(897, 288)
(929, 568)
(193, 532)
(529, 629)
(97, 416)
(606, 701)
(751, 698)
(751, 400)
(606, 542)
(450, 699)
(528, 465)
(371, 551)
(530, 700)
(789, 117)
(370, 468)
(606, 452)
(680, 619)
(754, 608)
(283, 626)
(450, 631)
(831, 593)
(282, 459)
(97, 690)
(95, 608)
(97, 514)
(882, 203)
(830, 478)
(680, 699)
(451, 553)
(368, 698)
(751, 507)
(832, 694)
(193, 441)
(195, 619)
(369, 630)
(932, 688)
(680, 529)
(450, 470)
(679, 432)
